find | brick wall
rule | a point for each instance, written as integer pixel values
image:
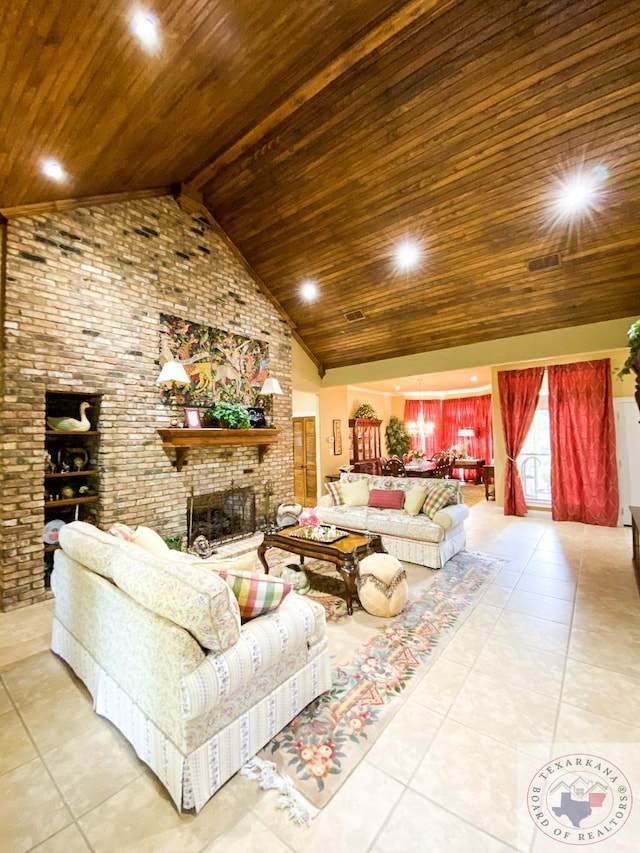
(84, 292)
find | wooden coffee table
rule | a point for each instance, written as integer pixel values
(345, 552)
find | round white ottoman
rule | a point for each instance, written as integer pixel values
(382, 585)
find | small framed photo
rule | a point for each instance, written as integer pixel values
(192, 418)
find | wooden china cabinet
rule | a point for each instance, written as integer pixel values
(365, 444)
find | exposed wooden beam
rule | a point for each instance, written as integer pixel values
(386, 30)
(70, 203)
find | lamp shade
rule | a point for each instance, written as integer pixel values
(271, 386)
(466, 432)
(173, 373)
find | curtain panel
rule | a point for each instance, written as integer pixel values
(423, 413)
(518, 391)
(584, 471)
(447, 417)
(469, 412)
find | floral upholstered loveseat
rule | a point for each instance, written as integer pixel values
(157, 638)
(420, 520)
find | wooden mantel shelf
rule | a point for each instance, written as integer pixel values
(182, 439)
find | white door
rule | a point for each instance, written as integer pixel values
(628, 453)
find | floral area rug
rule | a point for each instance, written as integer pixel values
(373, 662)
(472, 494)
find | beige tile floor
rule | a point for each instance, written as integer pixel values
(549, 657)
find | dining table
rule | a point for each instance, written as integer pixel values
(418, 467)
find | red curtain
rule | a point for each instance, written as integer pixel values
(425, 412)
(519, 391)
(584, 472)
(448, 417)
(474, 413)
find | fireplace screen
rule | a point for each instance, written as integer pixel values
(222, 516)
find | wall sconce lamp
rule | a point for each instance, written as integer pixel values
(171, 376)
(269, 388)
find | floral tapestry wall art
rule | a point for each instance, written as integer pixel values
(222, 366)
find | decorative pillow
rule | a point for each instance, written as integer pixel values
(121, 531)
(349, 494)
(414, 499)
(437, 499)
(256, 594)
(185, 593)
(355, 494)
(386, 498)
(152, 542)
(335, 491)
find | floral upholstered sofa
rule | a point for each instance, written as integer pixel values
(420, 520)
(158, 640)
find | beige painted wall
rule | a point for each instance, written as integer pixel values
(595, 337)
(579, 343)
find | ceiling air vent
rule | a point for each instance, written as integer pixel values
(543, 263)
(352, 316)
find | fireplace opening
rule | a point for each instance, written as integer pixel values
(222, 516)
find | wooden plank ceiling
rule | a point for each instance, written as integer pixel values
(321, 134)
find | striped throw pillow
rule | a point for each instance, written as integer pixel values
(335, 490)
(438, 498)
(256, 594)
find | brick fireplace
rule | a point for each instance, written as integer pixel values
(84, 292)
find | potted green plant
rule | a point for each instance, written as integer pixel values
(231, 415)
(365, 410)
(633, 359)
(398, 440)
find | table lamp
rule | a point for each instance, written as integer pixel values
(269, 388)
(171, 376)
(466, 432)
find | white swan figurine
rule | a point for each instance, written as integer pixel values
(72, 424)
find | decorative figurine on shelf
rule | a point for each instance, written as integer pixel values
(64, 466)
(67, 424)
(80, 457)
(49, 467)
(68, 492)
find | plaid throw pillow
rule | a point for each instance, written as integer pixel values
(256, 594)
(438, 498)
(335, 490)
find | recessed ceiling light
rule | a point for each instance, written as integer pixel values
(145, 28)
(578, 194)
(407, 255)
(397, 387)
(309, 291)
(52, 169)
(473, 379)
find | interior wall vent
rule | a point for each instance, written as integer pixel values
(352, 316)
(544, 262)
